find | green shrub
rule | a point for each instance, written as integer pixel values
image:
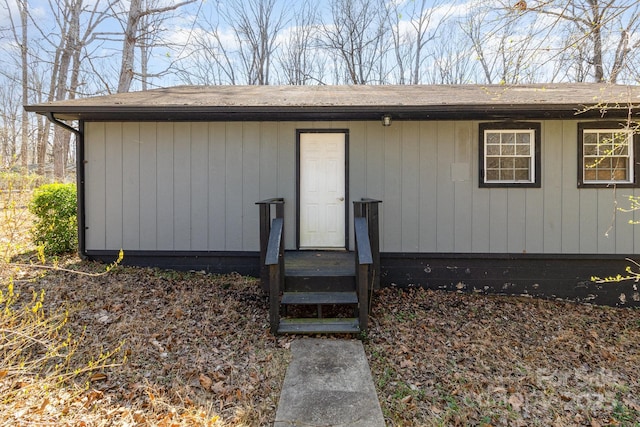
(56, 224)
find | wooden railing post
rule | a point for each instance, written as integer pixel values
(265, 229)
(373, 222)
(266, 217)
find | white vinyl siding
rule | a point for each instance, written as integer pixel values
(193, 186)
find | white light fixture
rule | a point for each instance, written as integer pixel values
(386, 120)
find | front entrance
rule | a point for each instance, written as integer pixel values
(322, 189)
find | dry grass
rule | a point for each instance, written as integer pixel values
(148, 347)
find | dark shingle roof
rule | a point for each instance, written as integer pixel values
(352, 102)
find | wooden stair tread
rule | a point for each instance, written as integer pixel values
(313, 298)
(316, 326)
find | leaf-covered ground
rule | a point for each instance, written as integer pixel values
(457, 359)
(194, 349)
(161, 348)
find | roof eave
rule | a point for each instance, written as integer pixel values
(320, 113)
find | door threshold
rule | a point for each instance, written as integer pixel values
(324, 249)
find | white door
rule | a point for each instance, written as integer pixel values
(322, 190)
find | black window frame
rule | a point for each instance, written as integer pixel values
(613, 125)
(536, 127)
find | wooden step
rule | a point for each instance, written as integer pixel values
(319, 326)
(314, 298)
(326, 283)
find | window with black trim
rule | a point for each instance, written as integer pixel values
(606, 153)
(509, 154)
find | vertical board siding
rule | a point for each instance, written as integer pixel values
(393, 197)
(199, 179)
(131, 186)
(516, 220)
(250, 180)
(462, 187)
(193, 186)
(410, 186)
(182, 186)
(148, 186)
(428, 186)
(164, 187)
(95, 188)
(114, 190)
(535, 221)
(553, 167)
(498, 213)
(624, 236)
(268, 181)
(217, 186)
(234, 187)
(445, 193)
(570, 225)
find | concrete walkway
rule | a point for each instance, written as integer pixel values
(328, 383)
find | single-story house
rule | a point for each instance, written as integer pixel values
(484, 188)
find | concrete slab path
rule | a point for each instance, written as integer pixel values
(328, 383)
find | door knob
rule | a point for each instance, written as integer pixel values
(341, 199)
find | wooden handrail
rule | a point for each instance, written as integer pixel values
(274, 200)
(275, 241)
(363, 246)
(368, 200)
(275, 260)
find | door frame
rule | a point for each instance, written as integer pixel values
(345, 132)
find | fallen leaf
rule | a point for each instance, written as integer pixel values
(516, 402)
(43, 406)
(205, 382)
(218, 387)
(407, 363)
(98, 376)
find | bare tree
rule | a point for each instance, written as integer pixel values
(412, 25)
(453, 58)
(76, 24)
(299, 60)
(209, 61)
(607, 29)
(9, 122)
(138, 10)
(356, 39)
(256, 25)
(20, 36)
(507, 51)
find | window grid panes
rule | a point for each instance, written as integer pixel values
(607, 156)
(509, 156)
